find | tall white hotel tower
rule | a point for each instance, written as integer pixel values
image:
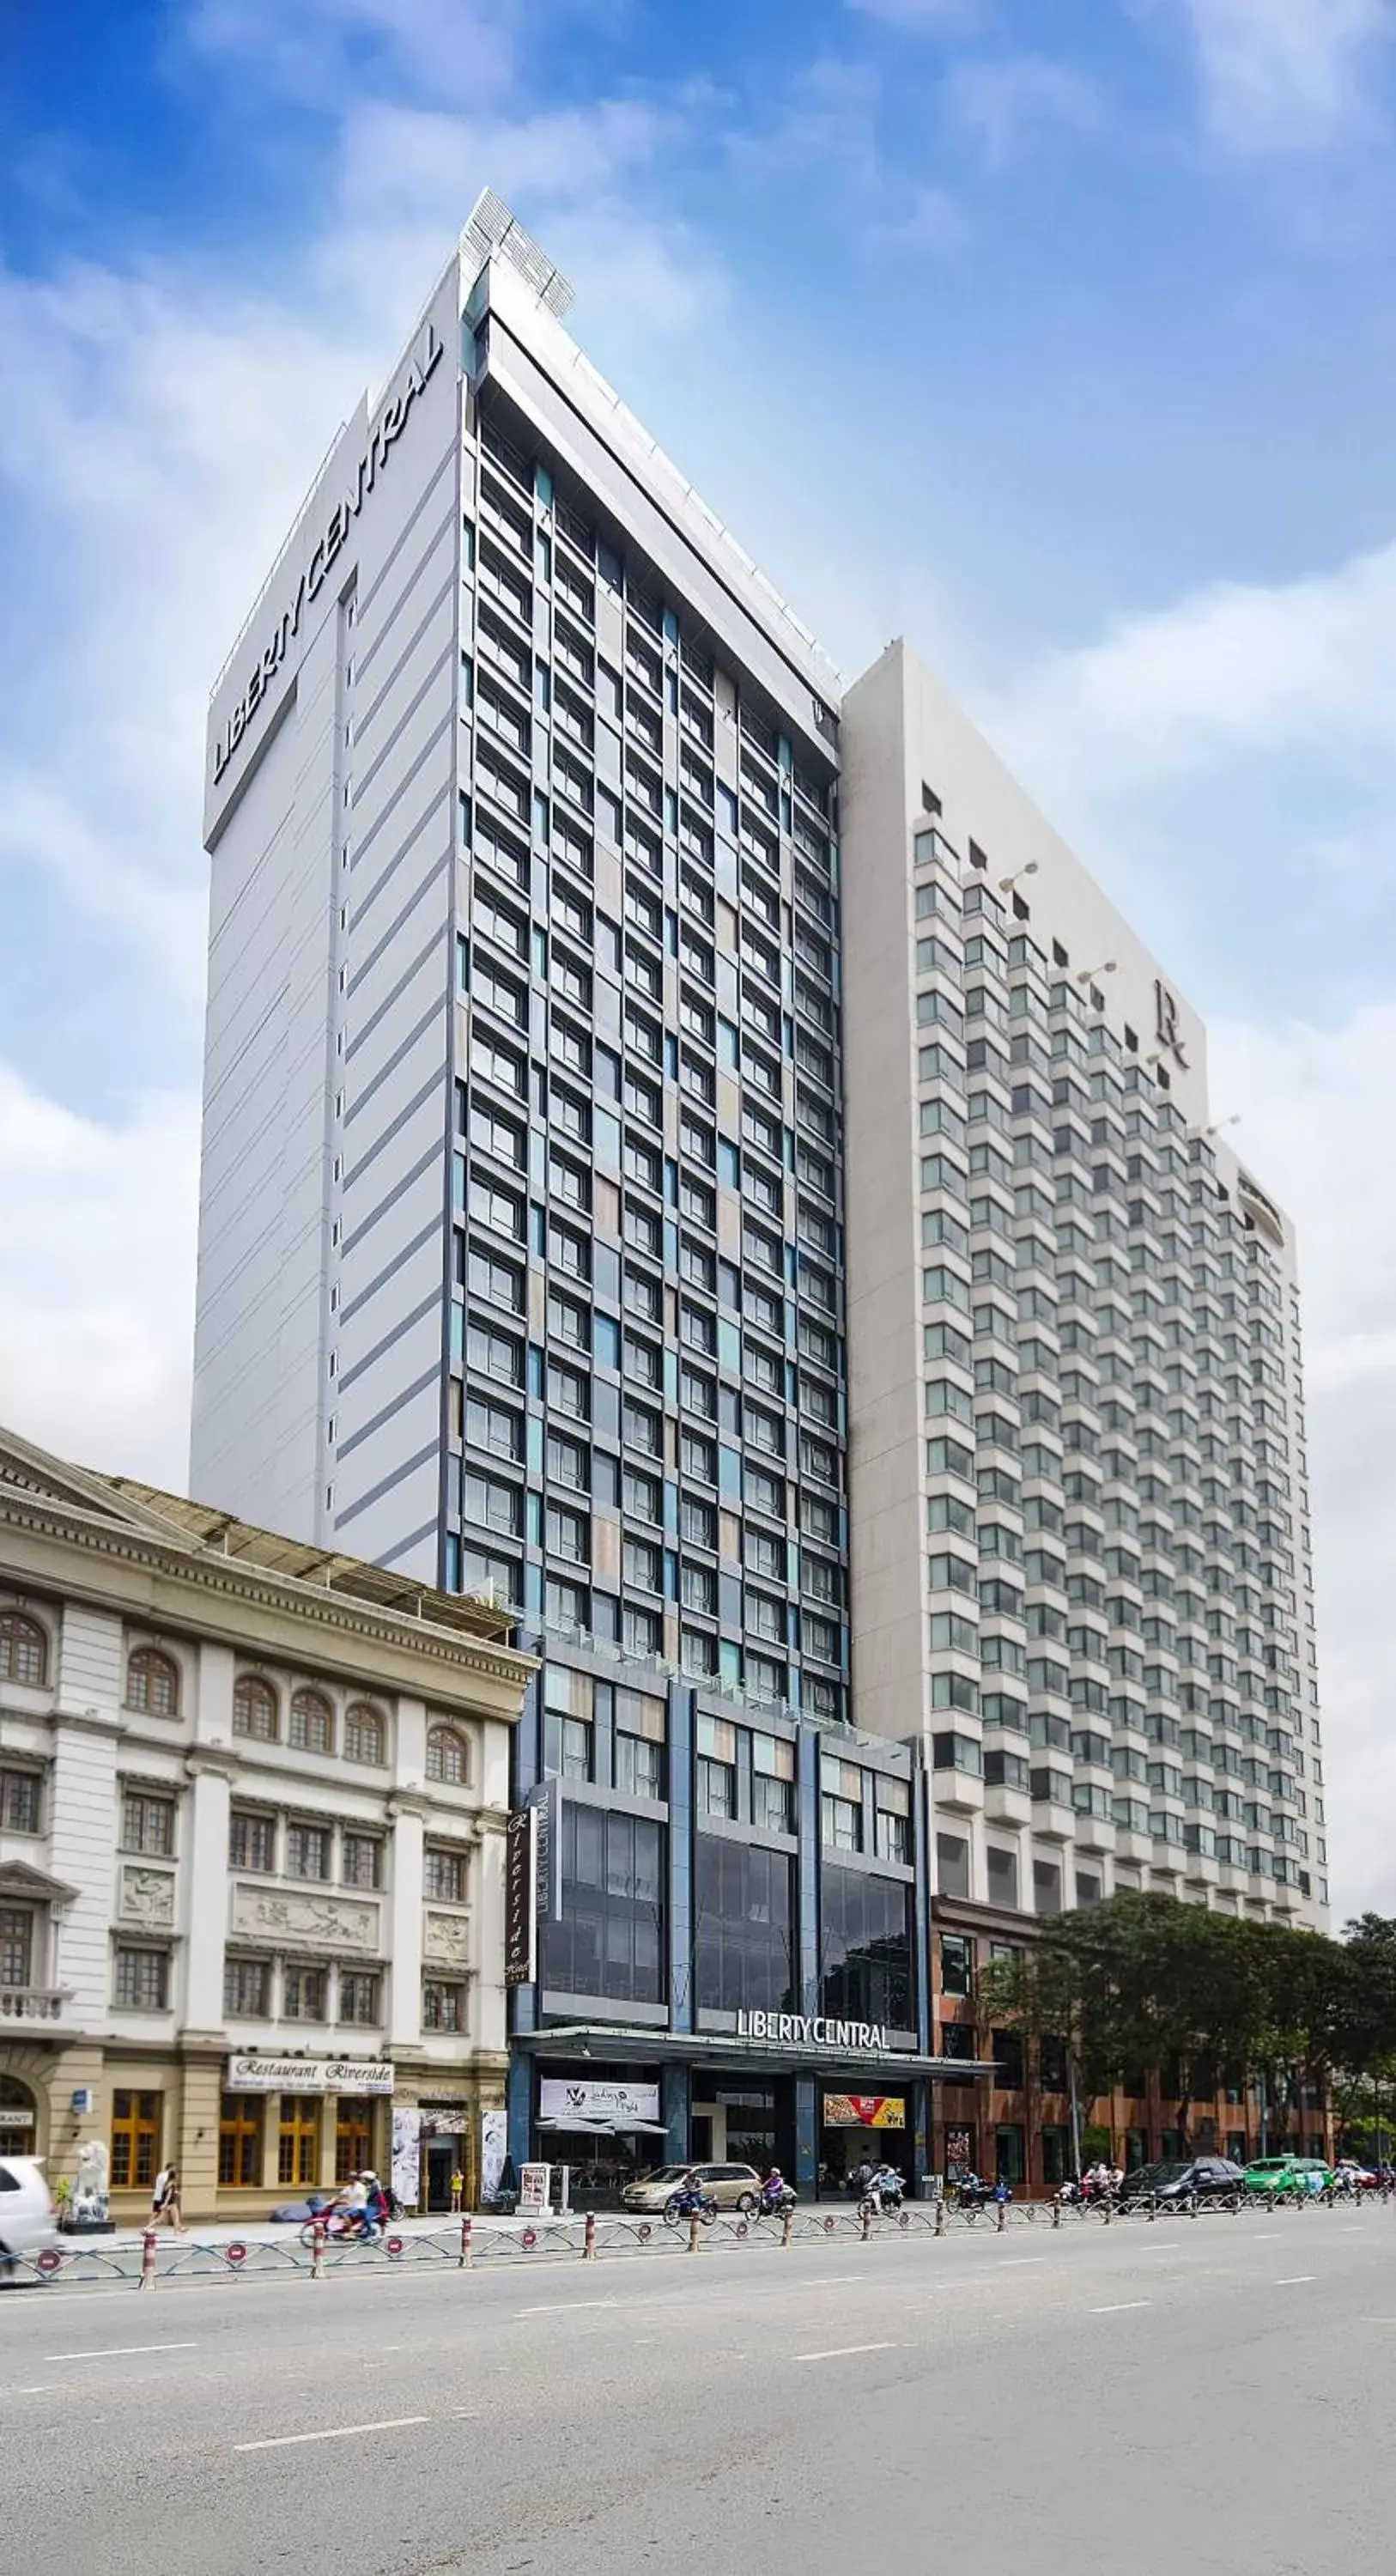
(611, 1032)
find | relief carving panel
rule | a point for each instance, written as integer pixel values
(306, 1914)
(446, 1941)
(148, 1896)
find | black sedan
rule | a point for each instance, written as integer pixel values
(1181, 2178)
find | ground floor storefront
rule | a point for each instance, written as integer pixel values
(613, 2104)
(247, 2133)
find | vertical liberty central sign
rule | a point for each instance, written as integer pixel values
(276, 645)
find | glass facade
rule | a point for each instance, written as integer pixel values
(745, 1946)
(647, 1399)
(866, 1947)
(610, 1939)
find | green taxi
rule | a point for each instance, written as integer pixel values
(1288, 2177)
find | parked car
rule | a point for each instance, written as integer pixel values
(1179, 2178)
(26, 2212)
(1288, 2177)
(731, 2186)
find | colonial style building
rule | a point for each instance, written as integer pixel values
(252, 1813)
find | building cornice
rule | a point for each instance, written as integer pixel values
(96, 1552)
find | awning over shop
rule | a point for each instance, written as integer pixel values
(616, 2043)
(601, 2126)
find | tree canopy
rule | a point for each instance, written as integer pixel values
(1203, 1999)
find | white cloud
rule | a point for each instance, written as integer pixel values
(312, 49)
(1001, 105)
(1286, 75)
(97, 1279)
(1277, 687)
(1319, 1125)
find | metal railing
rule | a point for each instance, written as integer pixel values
(470, 2243)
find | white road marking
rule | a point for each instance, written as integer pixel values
(1296, 2280)
(564, 2307)
(332, 2433)
(120, 2351)
(844, 2351)
(1118, 2307)
(1015, 2262)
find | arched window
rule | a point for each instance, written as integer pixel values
(447, 1758)
(254, 1708)
(23, 1650)
(363, 1734)
(152, 1683)
(312, 1722)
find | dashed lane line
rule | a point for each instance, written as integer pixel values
(332, 2433)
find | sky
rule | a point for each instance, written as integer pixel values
(1059, 335)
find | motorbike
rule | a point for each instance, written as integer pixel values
(884, 2193)
(682, 2205)
(776, 2196)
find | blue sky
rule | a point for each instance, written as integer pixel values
(1057, 334)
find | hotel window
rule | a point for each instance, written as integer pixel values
(136, 2120)
(894, 1820)
(773, 1784)
(240, 2142)
(142, 1979)
(448, 1758)
(20, 1802)
(353, 2136)
(363, 1735)
(247, 1989)
(361, 1860)
(307, 1851)
(16, 1945)
(147, 1824)
(298, 2141)
(358, 1996)
(717, 1767)
(152, 1683)
(251, 1841)
(255, 1709)
(639, 1744)
(841, 1805)
(567, 1723)
(443, 1876)
(312, 1723)
(443, 2006)
(305, 1993)
(23, 1650)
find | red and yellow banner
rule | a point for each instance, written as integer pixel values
(864, 2111)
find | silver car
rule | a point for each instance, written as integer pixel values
(731, 2186)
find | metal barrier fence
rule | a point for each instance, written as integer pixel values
(468, 2243)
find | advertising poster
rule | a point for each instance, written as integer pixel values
(606, 2107)
(407, 2157)
(533, 2189)
(957, 2153)
(864, 2111)
(494, 2143)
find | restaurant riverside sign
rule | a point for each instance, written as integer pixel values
(309, 2075)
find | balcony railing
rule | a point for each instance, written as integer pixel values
(30, 2003)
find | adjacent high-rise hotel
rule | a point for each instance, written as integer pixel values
(1081, 1549)
(572, 1020)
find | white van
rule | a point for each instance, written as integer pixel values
(26, 2211)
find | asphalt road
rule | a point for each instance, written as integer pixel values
(1210, 2394)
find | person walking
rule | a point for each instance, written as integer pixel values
(165, 2208)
